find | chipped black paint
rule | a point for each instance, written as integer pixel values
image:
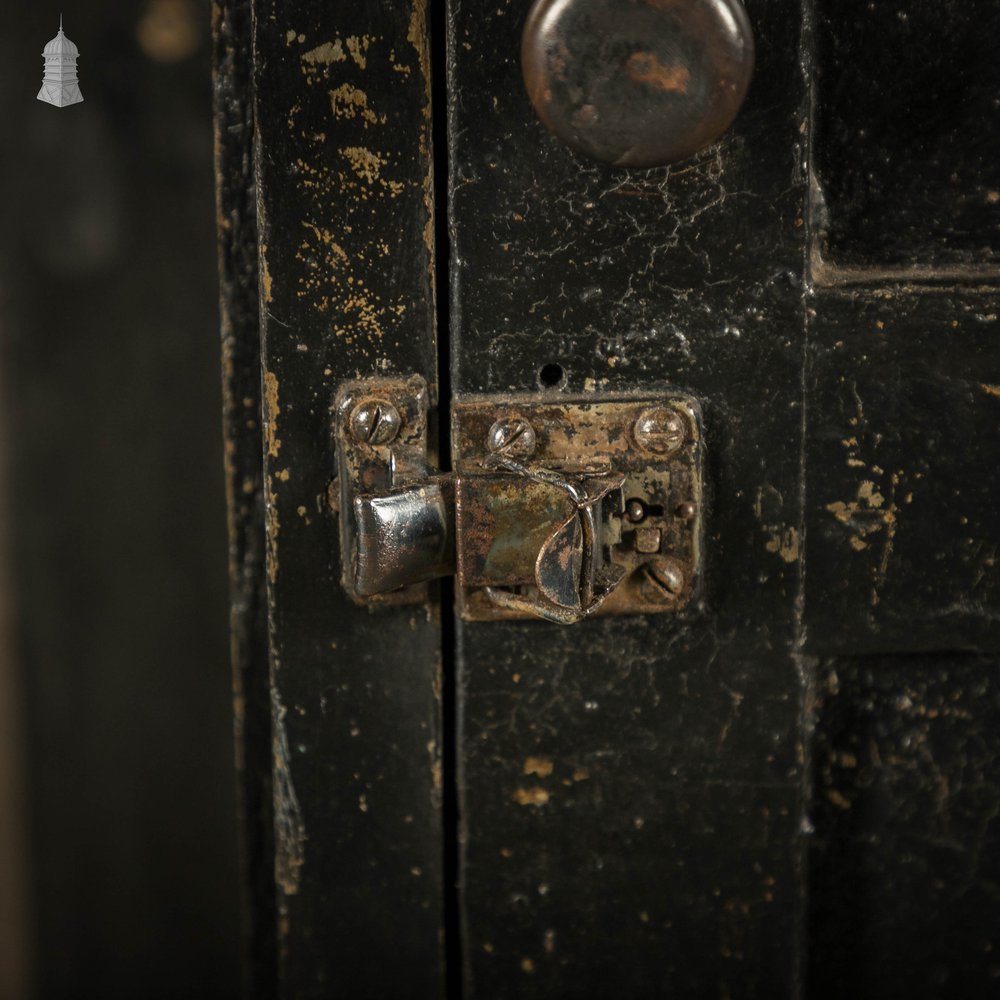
(660, 853)
(786, 792)
(343, 174)
(903, 457)
(902, 529)
(906, 164)
(904, 862)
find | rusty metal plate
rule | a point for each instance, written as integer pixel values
(504, 523)
(656, 535)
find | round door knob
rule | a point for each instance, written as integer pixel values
(637, 83)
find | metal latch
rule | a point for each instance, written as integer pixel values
(557, 508)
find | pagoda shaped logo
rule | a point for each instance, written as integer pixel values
(59, 84)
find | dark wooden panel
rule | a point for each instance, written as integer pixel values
(902, 531)
(630, 788)
(902, 471)
(110, 399)
(905, 155)
(904, 874)
(346, 230)
(240, 327)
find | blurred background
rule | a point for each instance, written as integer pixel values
(118, 869)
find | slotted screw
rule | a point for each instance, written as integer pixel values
(666, 578)
(512, 436)
(660, 430)
(374, 422)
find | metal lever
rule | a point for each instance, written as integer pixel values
(559, 510)
(570, 574)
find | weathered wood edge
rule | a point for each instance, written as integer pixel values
(240, 332)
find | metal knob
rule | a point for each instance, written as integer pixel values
(638, 83)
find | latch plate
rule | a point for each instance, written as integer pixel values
(659, 551)
(371, 467)
(557, 507)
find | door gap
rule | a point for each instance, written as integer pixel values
(438, 28)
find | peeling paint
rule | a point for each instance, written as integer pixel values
(540, 766)
(265, 274)
(325, 54)
(271, 411)
(351, 102)
(870, 513)
(366, 164)
(785, 544)
(358, 45)
(417, 37)
(290, 834)
(271, 529)
(535, 796)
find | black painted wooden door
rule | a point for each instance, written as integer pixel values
(789, 790)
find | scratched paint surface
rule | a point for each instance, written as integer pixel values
(638, 796)
(661, 851)
(903, 457)
(631, 792)
(906, 165)
(902, 523)
(904, 862)
(346, 267)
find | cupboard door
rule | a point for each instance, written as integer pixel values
(631, 789)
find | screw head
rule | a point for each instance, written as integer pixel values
(512, 436)
(660, 430)
(686, 510)
(374, 422)
(664, 579)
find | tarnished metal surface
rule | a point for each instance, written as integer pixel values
(504, 523)
(612, 489)
(638, 83)
(403, 537)
(655, 509)
(540, 531)
(372, 463)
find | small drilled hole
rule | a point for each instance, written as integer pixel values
(551, 375)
